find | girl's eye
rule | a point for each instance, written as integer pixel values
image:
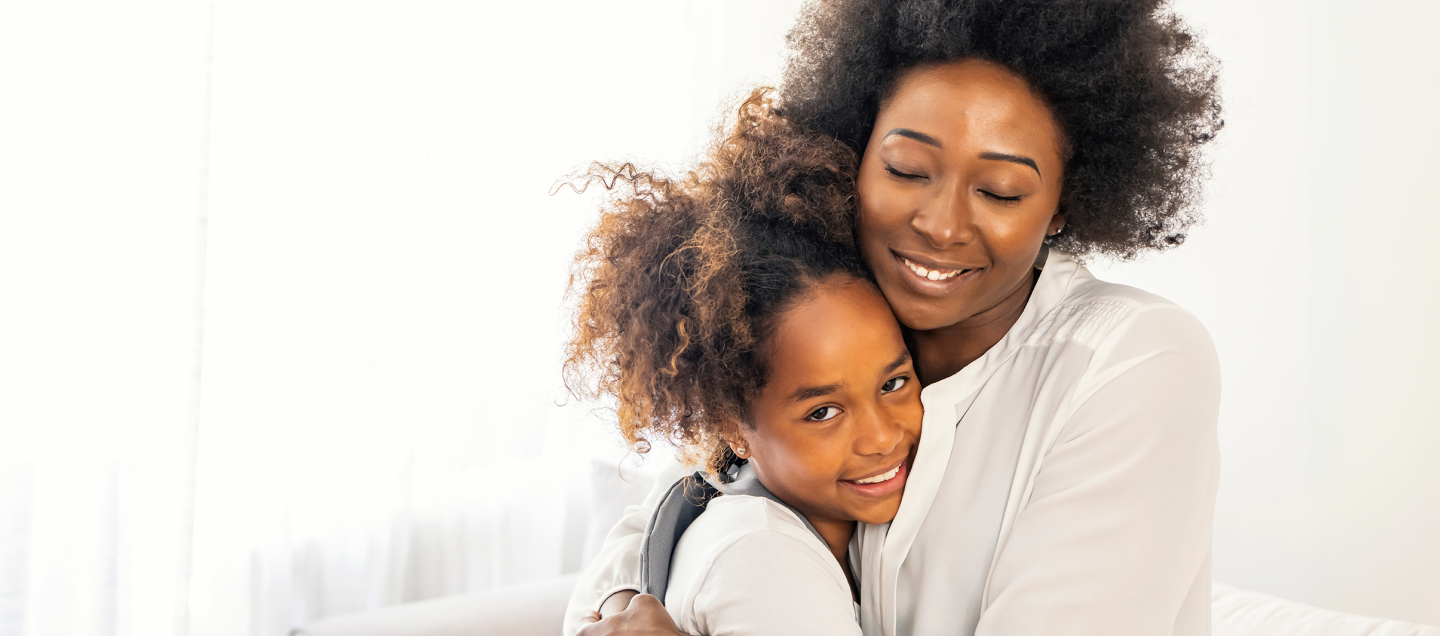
(997, 197)
(893, 384)
(903, 175)
(823, 413)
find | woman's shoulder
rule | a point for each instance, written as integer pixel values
(1094, 311)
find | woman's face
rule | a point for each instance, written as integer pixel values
(958, 187)
(836, 425)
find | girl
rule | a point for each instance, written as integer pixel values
(730, 312)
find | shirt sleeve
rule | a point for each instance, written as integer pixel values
(617, 566)
(769, 583)
(1117, 527)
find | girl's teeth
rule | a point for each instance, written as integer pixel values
(887, 476)
(934, 275)
(922, 271)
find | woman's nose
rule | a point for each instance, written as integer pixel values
(947, 219)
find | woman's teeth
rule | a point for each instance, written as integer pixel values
(881, 477)
(932, 274)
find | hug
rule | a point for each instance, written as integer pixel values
(863, 318)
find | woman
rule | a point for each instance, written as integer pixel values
(1066, 474)
(730, 313)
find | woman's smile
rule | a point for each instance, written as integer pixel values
(930, 277)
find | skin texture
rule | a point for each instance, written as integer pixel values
(809, 451)
(964, 198)
(633, 614)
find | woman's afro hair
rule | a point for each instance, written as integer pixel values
(681, 280)
(1131, 87)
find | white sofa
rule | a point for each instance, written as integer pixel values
(536, 609)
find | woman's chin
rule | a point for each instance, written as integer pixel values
(917, 314)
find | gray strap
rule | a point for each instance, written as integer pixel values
(681, 505)
(684, 502)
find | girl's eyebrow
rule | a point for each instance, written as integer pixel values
(809, 392)
(904, 357)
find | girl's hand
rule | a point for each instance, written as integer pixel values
(644, 616)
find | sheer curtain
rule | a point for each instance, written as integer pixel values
(283, 288)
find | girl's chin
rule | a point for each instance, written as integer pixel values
(884, 514)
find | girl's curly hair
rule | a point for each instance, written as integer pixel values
(681, 280)
(1133, 90)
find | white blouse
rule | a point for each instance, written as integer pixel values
(1064, 485)
(749, 567)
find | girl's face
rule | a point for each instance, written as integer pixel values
(836, 425)
(958, 187)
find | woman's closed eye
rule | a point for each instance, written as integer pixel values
(894, 384)
(997, 197)
(904, 175)
(823, 413)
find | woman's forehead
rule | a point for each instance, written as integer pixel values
(970, 102)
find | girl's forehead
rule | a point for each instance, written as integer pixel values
(839, 335)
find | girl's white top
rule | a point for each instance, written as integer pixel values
(748, 566)
(1064, 485)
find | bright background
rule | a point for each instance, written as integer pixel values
(281, 294)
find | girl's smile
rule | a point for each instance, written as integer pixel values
(890, 481)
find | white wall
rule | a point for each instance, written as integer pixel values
(1314, 276)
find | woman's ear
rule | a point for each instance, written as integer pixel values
(1057, 223)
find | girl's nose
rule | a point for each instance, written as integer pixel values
(878, 433)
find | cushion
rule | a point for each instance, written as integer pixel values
(526, 609)
(612, 488)
(1242, 613)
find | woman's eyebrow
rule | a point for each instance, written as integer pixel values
(1024, 161)
(916, 135)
